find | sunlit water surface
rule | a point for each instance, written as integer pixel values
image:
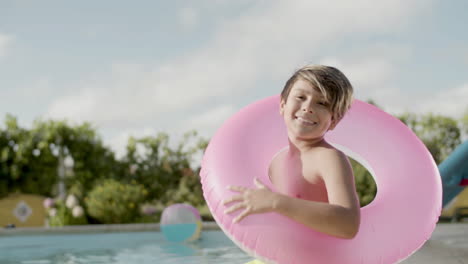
(128, 248)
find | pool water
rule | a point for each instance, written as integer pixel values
(125, 248)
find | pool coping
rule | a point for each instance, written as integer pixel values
(440, 227)
(93, 229)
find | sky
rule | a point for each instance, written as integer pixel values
(136, 68)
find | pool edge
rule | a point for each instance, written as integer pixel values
(93, 229)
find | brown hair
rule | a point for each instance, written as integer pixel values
(330, 82)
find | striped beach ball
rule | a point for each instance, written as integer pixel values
(181, 223)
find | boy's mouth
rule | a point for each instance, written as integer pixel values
(306, 121)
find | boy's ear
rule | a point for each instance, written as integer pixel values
(282, 103)
(333, 124)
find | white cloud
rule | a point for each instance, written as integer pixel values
(5, 42)
(119, 141)
(119, 100)
(207, 122)
(188, 18)
(450, 102)
(368, 75)
(373, 78)
(267, 42)
(77, 107)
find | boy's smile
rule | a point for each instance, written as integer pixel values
(305, 121)
(306, 112)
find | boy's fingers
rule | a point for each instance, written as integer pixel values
(241, 216)
(233, 198)
(237, 188)
(234, 208)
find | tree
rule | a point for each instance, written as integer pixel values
(30, 158)
(151, 162)
(464, 124)
(440, 134)
(13, 156)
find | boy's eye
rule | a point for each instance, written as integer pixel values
(300, 97)
(322, 103)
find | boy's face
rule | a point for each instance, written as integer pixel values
(306, 112)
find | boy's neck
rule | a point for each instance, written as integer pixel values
(297, 146)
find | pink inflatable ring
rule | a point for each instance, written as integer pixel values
(401, 218)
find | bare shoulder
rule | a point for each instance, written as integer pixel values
(333, 156)
(328, 161)
(335, 170)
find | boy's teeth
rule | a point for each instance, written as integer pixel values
(305, 120)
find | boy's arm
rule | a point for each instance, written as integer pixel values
(340, 217)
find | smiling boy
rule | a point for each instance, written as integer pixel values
(314, 180)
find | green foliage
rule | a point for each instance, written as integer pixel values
(165, 171)
(30, 158)
(113, 202)
(440, 134)
(151, 162)
(63, 216)
(464, 123)
(205, 213)
(365, 184)
(15, 159)
(188, 191)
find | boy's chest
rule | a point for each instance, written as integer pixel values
(288, 179)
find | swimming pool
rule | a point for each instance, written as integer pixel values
(124, 248)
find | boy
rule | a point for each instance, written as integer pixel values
(315, 181)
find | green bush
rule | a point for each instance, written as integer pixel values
(112, 202)
(188, 191)
(63, 216)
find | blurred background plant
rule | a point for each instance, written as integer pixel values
(62, 213)
(113, 202)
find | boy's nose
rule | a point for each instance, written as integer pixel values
(306, 110)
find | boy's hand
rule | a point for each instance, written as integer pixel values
(253, 201)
